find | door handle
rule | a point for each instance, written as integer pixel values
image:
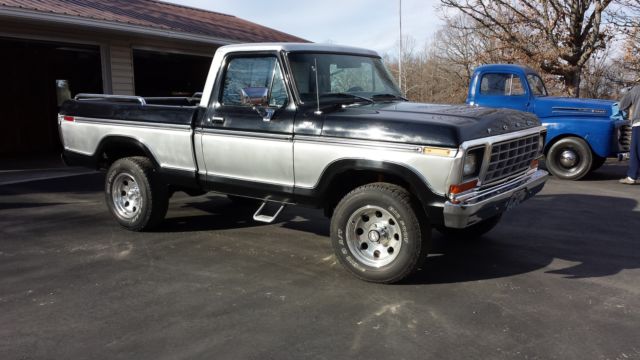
(216, 119)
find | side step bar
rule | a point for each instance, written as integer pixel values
(258, 216)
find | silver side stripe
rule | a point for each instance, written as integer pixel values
(314, 139)
(172, 167)
(245, 134)
(151, 125)
(357, 142)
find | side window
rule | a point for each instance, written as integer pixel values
(501, 85)
(251, 81)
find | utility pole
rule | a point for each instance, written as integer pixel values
(400, 55)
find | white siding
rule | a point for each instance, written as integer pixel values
(121, 68)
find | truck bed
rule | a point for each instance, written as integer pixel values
(149, 110)
(93, 125)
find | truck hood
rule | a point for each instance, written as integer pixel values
(424, 124)
(549, 106)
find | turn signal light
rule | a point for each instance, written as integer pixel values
(460, 188)
(534, 163)
(68, 118)
(444, 152)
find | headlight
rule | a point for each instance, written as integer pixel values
(470, 164)
(541, 144)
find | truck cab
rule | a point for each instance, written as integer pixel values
(582, 133)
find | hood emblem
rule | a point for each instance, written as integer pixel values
(489, 131)
(505, 127)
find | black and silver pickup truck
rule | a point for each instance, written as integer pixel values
(317, 125)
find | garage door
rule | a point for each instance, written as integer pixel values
(28, 93)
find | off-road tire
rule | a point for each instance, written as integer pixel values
(153, 194)
(403, 218)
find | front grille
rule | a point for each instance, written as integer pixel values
(625, 138)
(512, 157)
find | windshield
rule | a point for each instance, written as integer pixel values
(341, 78)
(536, 85)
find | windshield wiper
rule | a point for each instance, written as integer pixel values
(334, 101)
(388, 96)
(347, 96)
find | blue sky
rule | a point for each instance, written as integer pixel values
(365, 23)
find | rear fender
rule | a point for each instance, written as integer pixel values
(127, 146)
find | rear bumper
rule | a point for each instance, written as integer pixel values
(484, 204)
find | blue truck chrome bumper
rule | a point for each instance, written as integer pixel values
(484, 204)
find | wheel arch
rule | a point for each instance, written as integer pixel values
(344, 175)
(558, 137)
(114, 147)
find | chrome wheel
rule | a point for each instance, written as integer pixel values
(568, 158)
(373, 236)
(126, 196)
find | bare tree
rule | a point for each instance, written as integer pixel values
(603, 77)
(460, 46)
(558, 36)
(628, 18)
(428, 76)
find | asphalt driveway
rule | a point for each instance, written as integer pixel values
(559, 278)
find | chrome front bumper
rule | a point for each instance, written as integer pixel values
(474, 207)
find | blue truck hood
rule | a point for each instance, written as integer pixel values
(550, 106)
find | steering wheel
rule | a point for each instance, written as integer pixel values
(355, 89)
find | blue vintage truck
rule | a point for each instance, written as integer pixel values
(582, 133)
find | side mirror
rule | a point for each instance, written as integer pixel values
(255, 96)
(265, 112)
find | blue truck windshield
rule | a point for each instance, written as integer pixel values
(537, 85)
(341, 74)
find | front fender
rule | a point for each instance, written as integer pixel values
(431, 202)
(597, 132)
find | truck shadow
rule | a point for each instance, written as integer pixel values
(222, 214)
(219, 214)
(79, 184)
(573, 236)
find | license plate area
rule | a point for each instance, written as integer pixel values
(517, 198)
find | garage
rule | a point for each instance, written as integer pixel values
(30, 69)
(121, 47)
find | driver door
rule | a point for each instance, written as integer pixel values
(247, 137)
(503, 90)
